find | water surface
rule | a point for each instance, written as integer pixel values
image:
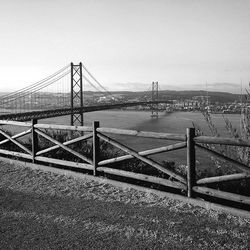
(176, 122)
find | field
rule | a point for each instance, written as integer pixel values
(48, 210)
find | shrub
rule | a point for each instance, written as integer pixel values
(241, 154)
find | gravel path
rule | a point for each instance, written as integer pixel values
(44, 210)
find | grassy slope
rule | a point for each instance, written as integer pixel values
(41, 210)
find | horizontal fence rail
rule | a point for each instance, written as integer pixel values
(222, 141)
(147, 134)
(96, 134)
(64, 127)
(224, 178)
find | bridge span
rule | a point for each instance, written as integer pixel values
(43, 114)
(63, 93)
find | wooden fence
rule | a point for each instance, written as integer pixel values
(190, 141)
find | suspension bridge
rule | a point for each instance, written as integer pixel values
(72, 90)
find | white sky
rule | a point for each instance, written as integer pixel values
(127, 44)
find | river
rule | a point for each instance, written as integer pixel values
(175, 122)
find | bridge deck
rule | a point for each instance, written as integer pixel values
(25, 116)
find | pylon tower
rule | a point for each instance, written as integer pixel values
(155, 97)
(76, 94)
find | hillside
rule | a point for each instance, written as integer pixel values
(222, 97)
(48, 210)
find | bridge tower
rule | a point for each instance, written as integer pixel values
(76, 94)
(155, 97)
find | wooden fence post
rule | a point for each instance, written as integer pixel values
(191, 175)
(34, 140)
(96, 147)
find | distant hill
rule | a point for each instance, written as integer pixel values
(222, 97)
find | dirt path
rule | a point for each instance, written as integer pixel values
(43, 210)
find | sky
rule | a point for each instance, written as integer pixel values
(182, 44)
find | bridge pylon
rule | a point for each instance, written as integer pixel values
(76, 94)
(155, 97)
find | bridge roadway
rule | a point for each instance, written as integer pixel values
(42, 114)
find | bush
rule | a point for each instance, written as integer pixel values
(241, 154)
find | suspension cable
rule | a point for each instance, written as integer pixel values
(36, 89)
(34, 84)
(96, 80)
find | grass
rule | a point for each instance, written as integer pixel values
(44, 210)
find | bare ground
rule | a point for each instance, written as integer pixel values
(44, 210)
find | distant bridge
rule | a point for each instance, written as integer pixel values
(43, 114)
(62, 93)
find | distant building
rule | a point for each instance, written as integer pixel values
(202, 100)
